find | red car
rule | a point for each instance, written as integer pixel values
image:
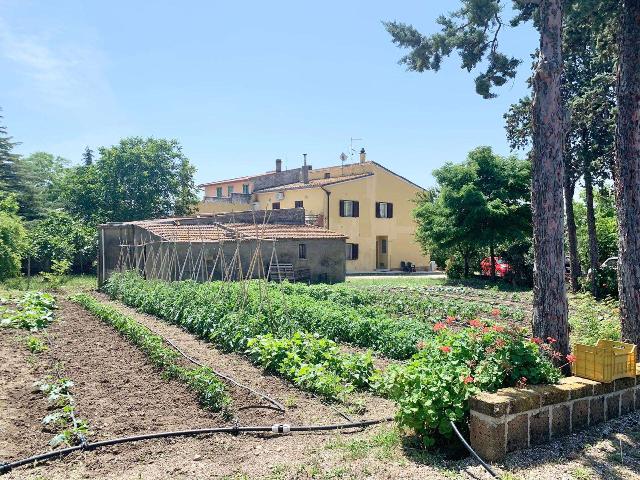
(502, 267)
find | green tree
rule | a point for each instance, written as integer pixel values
(588, 42)
(473, 32)
(12, 237)
(482, 204)
(87, 156)
(134, 180)
(41, 173)
(61, 237)
(606, 225)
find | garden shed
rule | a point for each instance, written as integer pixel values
(264, 244)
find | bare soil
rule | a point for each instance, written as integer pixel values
(119, 393)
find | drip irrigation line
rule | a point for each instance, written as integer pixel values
(278, 406)
(276, 429)
(472, 451)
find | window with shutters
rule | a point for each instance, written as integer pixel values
(299, 204)
(245, 188)
(219, 192)
(302, 250)
(275, 205)
(352, 251)
(384, 210)
(229, 190)
(349, 208)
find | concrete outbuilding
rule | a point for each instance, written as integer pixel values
(275, 245)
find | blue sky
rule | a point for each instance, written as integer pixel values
(242, 83)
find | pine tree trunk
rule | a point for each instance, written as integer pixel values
(591, 232)
(572, 235)
(492, 255)
(628, 170)
(550, 312)
(466, 266)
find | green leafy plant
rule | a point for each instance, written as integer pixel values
(35, 344)
(34, 312)
(432, 389)
(313, 363)
(69, 429)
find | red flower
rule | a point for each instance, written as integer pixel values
(468, 379)
(536, 340)
(522, 382)
(451, 319)
(476, 323)
(498, 328)
(556, 355)
(439, 326)
(571, 358)
(495, 312)
(445, 349)
(551, 340)
(486, 330)
(500, 343)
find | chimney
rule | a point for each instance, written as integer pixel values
(363, 156)
(278, 165)
(305, 170)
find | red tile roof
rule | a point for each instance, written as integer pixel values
(232, 231)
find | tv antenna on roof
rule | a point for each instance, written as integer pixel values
(351, 149)
(343, 157)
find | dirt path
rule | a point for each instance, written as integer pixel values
(22, 406)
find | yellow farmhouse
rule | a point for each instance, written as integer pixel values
(365, 201)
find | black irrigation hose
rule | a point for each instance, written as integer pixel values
(275, 403)
(472, 452)
(276, 428)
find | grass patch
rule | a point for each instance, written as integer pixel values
(591, 320)
(385, 444)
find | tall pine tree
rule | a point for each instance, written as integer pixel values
(473, 32)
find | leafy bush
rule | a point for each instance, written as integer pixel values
(202, 381)
(313, 363)
(64, 239)
(454, 267)
(432, 389)
(12, 237)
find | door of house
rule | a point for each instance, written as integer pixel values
(382, 253)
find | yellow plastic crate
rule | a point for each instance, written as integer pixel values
(605, 362)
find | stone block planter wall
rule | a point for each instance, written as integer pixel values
(514, 419)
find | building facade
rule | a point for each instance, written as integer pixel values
(223, 247)
(369, 204)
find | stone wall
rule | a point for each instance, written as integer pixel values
(275, 179)
(514, 419)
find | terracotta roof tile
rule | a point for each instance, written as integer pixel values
(231, 231)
